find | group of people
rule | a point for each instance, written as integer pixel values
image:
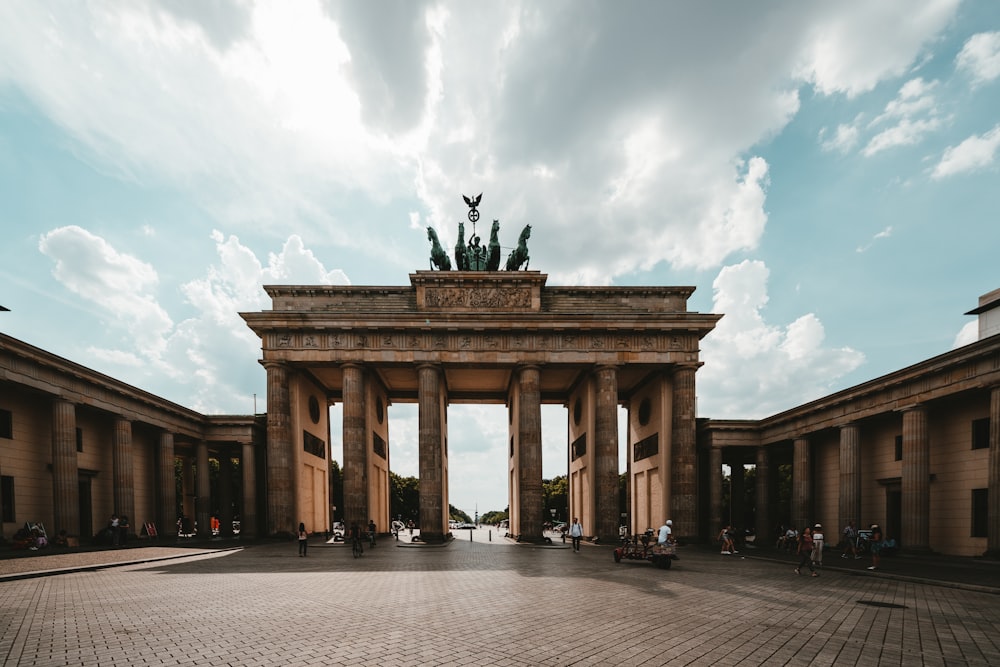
(118, 528)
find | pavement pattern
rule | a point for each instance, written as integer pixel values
(482, 601)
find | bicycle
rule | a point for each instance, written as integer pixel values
(357, 548)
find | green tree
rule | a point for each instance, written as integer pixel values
(494, 517)
(555, 495)
(404, 498)
(456, 514)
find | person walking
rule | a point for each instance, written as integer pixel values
(850, 541)
(371, 532)
(303, 540)
(875, 544)
(805, 551)
(818, 542)
(576, 533)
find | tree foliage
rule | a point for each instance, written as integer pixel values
(404, 498)
(555, 495)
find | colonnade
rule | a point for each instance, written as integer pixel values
(914, 483)
(66, 475)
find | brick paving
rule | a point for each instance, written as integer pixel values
(484, 603)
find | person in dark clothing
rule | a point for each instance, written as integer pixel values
(805, 551)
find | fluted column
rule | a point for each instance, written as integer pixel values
(605, 455)
(916, 484)
(715, 490)
(849, 490)
(65, 474)
(529, 452)
(993, 490)
(248, 514)
(280, 457)
(225, 502)
(166, 489)
(801, 483)
(762, 512)
(203, 491)
(123, 476)
(684, 461)
(355, 452)
(432, 510)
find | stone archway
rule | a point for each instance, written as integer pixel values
(485, 337)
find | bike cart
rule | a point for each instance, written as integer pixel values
(643, 547)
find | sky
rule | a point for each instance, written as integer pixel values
(825, 174)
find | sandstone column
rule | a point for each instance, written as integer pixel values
(203, 491)
(762, 512)
(993, 490)
(605, 456)
(714, 491)
(123, 476)
(849, 490)
(801, 483)
(280, 457)
(432, 510)
(166, 489)
(248, 515)
(916, 485)
(684, 462)
(355, 451)
(225, 503)
(65, 474)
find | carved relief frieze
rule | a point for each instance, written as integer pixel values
(488, 341)
(479, 298)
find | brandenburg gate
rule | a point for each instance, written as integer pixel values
(483, 336)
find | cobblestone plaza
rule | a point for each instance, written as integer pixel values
(484, 601)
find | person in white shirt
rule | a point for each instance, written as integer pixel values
(665, 533)
(576, 532)
(817, 553)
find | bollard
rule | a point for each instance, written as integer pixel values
(491, 536)
(470, 535)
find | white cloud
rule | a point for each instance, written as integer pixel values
(121, 286)
(915, 114)
(270, 116)
(754, 369)
(980, 57)
(200, 353)
(906, 133)
(844, 139)
(850, 47)
(884, 234)
(976, 152)
(968, 334)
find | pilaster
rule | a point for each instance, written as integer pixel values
(248, 515)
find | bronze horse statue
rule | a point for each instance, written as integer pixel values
(493, 256)
(461, 256)
(439, 258)
(519, 255)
